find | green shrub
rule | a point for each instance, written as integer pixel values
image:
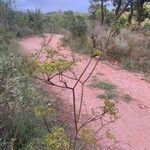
(18, 97)
(146, 25)
(102, 85)
(20, 102)
(127, 98)
(129, 65)
(123, 21)
(77, 44)
(57, 139)
(78, 27)
(108, 95)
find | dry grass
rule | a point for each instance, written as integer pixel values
(132, 50)
(129, 48)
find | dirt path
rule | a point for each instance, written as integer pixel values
(133, 127)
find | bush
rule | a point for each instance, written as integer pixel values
(118, 50)
(146, 26)
(27, 31)
(57, 140)
(77, 44)
(132, 49)
(22, 104)
(129, 64)
(123, 21)
(75, 24)
(21, 31)
(78, 27)
(18, 97)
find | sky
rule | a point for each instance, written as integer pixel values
(53, 5)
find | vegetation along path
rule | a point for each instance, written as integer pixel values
(130, 91)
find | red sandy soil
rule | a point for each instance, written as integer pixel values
(133, 126)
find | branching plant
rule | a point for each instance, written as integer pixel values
(54, 72)
(51, 68)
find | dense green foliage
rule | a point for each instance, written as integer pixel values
(19, 98)
(25, 117)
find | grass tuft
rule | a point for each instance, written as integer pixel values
(109, 88)
(127, 98)
(108, 95)
(102, 85)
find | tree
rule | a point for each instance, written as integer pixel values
(6, 12)
(75, 23)
(147, 10)
(140, 9)
(131, 12)
(102, 12)
(120, 6)
(79, 27)
(35, 21)
(69, 19)
(117, 4)
(95, 6)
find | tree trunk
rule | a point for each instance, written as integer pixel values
(140, 11)
(118, 7)
(102, 12)
(131, 13)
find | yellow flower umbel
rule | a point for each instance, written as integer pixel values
(41, 111)
(97, 53)
(88, 136)
(57, 140)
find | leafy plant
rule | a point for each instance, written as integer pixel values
(50, 68)
(57, 139)
(110, 108)
(23, 106)
(88, 136)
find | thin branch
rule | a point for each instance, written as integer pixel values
(85, 123)
(92, 70)
(46, 124)
(81, 102)
(83, 72)
(73, 74)
(103, 125)
(51, 83)
(116, 21)
(43, 45)
(74, 111)
(61, 71)
(93, 118)
(69, 77)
